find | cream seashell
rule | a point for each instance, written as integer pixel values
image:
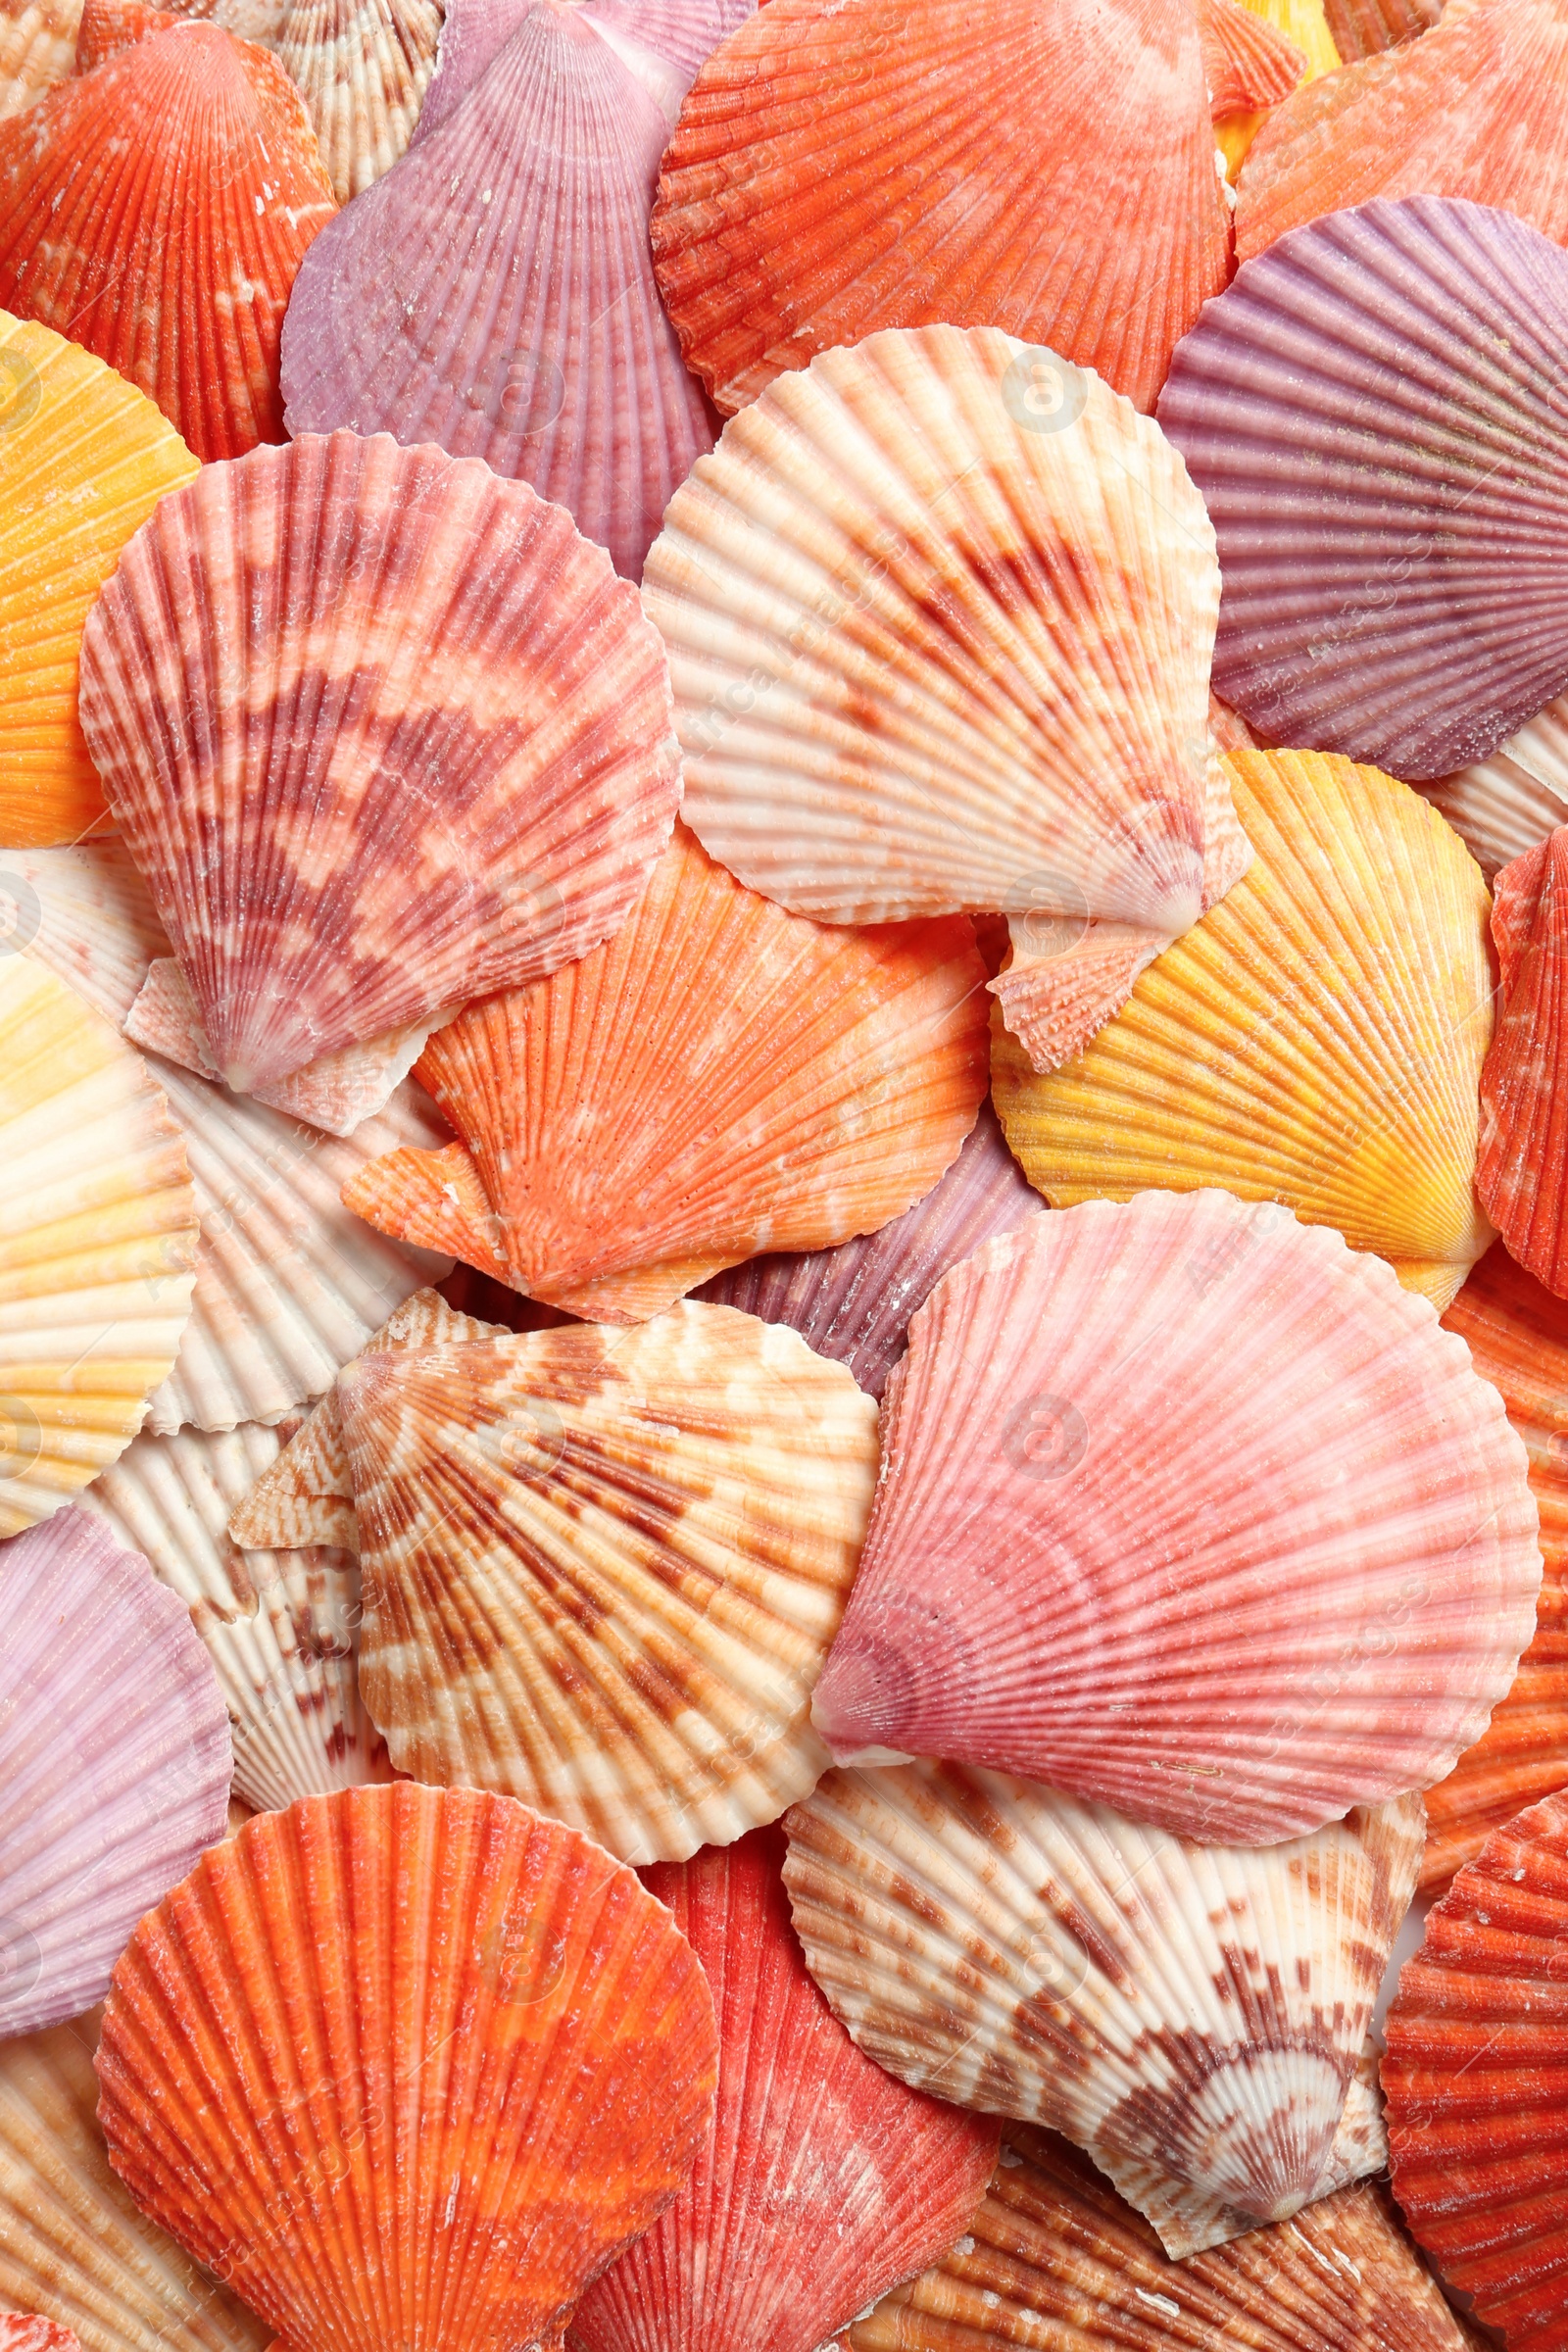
(86, 914)
(1508, 803)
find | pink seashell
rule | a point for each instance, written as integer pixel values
(24, 2331)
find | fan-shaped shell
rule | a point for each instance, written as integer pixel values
(1317, 1040)
(1248, 61)
(37, 45)
(157, 209)
(631, 1126)
(84, 913)
(1477, 2081)
(1503, 805)
(374, 841)
(1367, 27)
(84, 460)
(481, 2008)
(1375, 412)
(109, 25)
(1521, 1174)
(826, 2177)
(1194, 2008)
(114, 1756)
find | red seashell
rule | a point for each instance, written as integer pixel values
(1248, 61)
(1522, 1171)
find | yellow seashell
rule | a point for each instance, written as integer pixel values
(1317, 1039)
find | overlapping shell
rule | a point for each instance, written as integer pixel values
(826, 2178)
(1367, 27)
(484, 2012)
(1196, 2010)
(1502, 805)
(377, 842)
(1316, 1040)
(630, 1126)
(1522, 1177)
(1093, 1562)
(83, 912)
(37, 45)
(1248, 61)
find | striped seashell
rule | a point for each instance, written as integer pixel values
(1248, 63)
(38, 47)
(1367, 27)
(83, 912)
(1506, 805)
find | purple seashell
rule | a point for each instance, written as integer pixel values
(1376, 412)
(855, 1302)
(114, 1757)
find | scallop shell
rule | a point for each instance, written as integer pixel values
(1072, 1571)
(114, 1756)
(72, 2245)
(84, 460)
(1317, 1040)
(826, 2178)
(1248, 61)
(98, 1240)
(1477, 2081)
(1503, 805)
(631, 1126)
(838, 171)
(84, 913)
(182, 176)
(887, 705)
(481, 2008)
(1194, 2008)
(1366, 27)
(331, 890)
(109, 25)
(1375, 413)
(1520, 1178)
(1517, 1335)
(38, 47)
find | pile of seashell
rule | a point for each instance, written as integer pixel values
(783, 1208)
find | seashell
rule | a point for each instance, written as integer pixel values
(853, 1302)
(97, 1242)
(840, 171)
(1248, 61)
(1364, 28)
(1347, 978)
(84, 913)
(22, 2331)
(826, 2179)
(1304, 25)
(1372, 412)
(1196, 2008)
(901, 713)
(1517, 1335)
(602, 1569)
(1503, 805)
(281, 1627)
(1069, 1573)
(37, 48)
(496, 295)
(1520, 1175)
(182, 176)
(84, 460)
(312, 907)
(289, 1284)
(833, 1094)
(1474, 109)
(481, 2007)
(114, 1756)
(1055, 2255)
(107, 26)
(72, 2245)
(1476, 2080)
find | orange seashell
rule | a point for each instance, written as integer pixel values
(1522, 1171)
(405, 2068)
(109, 25)
(1248, 61)
(157, 209)
(1364, 28)
(630, 1126)
(842, 166)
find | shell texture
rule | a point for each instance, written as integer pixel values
(630, 1126)
(156, 209)
(1503, 805)
(114, 1756)
(20, 2331)
(1367, 27)
(107, 26)
(1521, 1175)
(1093, 1563)
(1248, 63)
(1476, 2083)
(84, 457)
(1375, 413)
(431, 1988)
(826, 2178)
(339, 842)
(84, 913)
(1194, 2008)
(1317, 1040)
(842, 168)
(38, 47)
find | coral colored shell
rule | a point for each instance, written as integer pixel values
(20, 2331)
(1347, 978)
(1506, 805)
(1053, 2257)
(84, 460)
(1071, 1573)
(826, 2178)
(855, 1302)
(1248, 63)
(38, 47)
(109, 25)
(377, 842)
(1522, 1177)
(1366, 27)
(157, 209)
(841, 170)
(601, 1568)
(114, 1756)
(84, 913)
(1477, 2080)
(431, 1989)
(1196, 2008)
(1375, 412)
(98, 1240)
(903, 713)
(72, 2245)
(633, 1125)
